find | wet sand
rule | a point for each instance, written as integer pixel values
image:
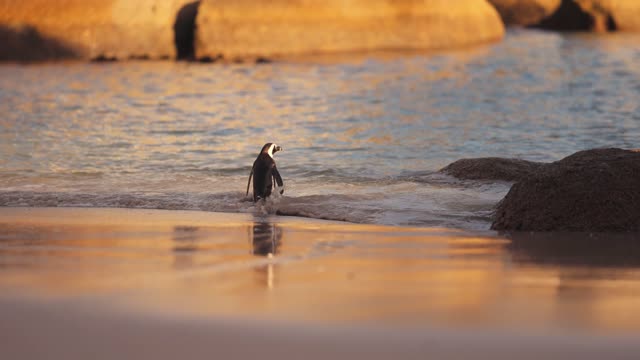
(107, 283)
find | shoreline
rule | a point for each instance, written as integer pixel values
(147, 217)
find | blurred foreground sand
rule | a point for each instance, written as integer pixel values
(122, 283)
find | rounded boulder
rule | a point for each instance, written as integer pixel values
(593, 191)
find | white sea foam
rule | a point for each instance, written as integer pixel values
(395, 203)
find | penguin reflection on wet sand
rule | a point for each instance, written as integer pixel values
(266, 238)
(265, 241)
(264, 172)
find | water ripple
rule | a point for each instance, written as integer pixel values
(189, 127)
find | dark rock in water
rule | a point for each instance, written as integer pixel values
(138, 57)
(492, 169)
(210, 59)
(594, 190)
(263, 60)
(104, 58)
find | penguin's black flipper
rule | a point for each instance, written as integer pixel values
(249, 182)
(278, 178)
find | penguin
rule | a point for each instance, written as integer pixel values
(264, 171)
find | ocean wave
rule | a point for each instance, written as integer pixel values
(231, 202)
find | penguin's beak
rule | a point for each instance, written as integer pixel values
(277, 148)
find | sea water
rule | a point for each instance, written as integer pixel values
(363, 135)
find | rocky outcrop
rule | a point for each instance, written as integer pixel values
(572, 15)
(111, 29)
(249, 28)
(492, 169)
(593, 190)
(233, 29)
(525, 12)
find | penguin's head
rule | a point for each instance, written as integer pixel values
(270, 148)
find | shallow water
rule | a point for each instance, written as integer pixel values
(363, 135)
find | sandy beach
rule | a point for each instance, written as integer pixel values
(128, 283)
(455, 179)
(77, 330)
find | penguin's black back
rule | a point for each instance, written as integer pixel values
(263, 176)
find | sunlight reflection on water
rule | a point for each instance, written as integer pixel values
(143, 125)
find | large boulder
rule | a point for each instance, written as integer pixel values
(593, 190)
(120, 29)
(492, 168)
(250, 28)
(114, 29)
(525, 12)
